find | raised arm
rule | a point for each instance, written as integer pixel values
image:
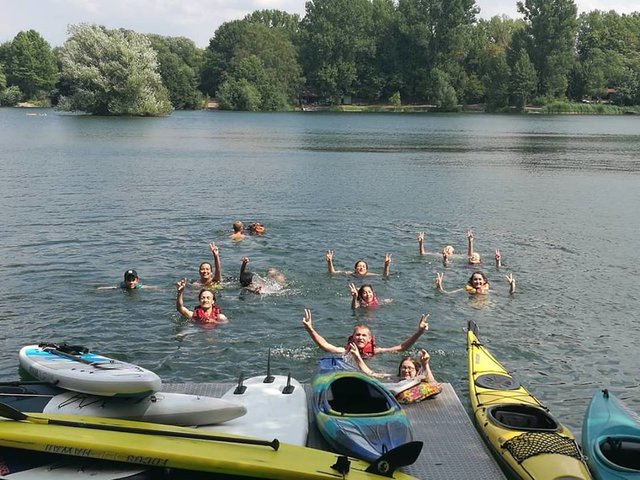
(512, 283)
(329, 258)
(387, 265)
(439, 279)
(421, 244)
(498, 258)
(217, 272)
(426, 369)
(423, 325)
(354, 295)
(316, 337)
(184, 311)
(469, 243)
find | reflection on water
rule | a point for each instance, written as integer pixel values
(83, 199)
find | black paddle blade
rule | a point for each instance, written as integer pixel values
(8, 411)
(388, 463)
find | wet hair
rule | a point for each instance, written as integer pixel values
(355, 265)
(361, 289)
(246, 278)
(413, 360)
(207, 290)
(359, 326)
(478, 272)
(238, 226)
(253, 227)
(205, 263)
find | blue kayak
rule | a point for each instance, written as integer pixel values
(611, 438)
(355, 413)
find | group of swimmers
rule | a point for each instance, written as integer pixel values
(361, 344)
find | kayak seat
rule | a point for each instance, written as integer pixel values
(356, 396)
(624, 452)
(523, 417)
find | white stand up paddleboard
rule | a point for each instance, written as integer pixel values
(87, 372)
(276, 409)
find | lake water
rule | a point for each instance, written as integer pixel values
(82, 199)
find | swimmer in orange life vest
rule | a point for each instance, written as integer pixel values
(360, 269)
(362, 339)
(477, 284)
(256, 229)
(206, 312)
(364, 296)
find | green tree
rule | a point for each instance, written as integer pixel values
(523, 80)
(496, 82)
(31, 65)
(249, 87)
(434, 34)
(551, 30)
(608, 46)
(3, 79)
(487, 40)
(10, 96)
(180, 62)
(111, 72)
(243, 53)
(289, 23)
(338, 46)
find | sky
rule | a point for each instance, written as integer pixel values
(194, 19)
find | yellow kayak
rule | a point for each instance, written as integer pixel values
(167, 446)
(523, 435)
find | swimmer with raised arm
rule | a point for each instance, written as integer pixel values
(474, 257)
(362, 339)
(364, 296)
(360, 269)
(477, 284)
(447, 251)
(206, 312)
(210, 278)
(274, 281)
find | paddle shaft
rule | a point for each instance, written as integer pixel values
(9, 412)
(78, 358)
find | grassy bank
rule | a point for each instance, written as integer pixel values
(554, 108)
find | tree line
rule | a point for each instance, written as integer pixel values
(376, 51)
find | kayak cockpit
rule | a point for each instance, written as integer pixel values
(353, 395)
(523, 417)
(622, 452)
